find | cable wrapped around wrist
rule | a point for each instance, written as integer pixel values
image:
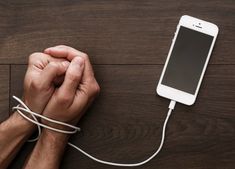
(26, 109)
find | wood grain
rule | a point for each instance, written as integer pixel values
(128, 41)
(124, 124)
(4, 92)
(111, 32)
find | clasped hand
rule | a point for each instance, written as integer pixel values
(60, 83)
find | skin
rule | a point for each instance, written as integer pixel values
(59, 84)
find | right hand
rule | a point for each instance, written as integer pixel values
(78, 90)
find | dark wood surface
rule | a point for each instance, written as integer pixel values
(127, 42)
(4, 91)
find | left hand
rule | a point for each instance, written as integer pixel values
(43, 74)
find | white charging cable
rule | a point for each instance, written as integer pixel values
(35, 121)
(75, 129)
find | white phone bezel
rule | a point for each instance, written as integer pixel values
(197, 25)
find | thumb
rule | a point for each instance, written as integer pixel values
(72, 78)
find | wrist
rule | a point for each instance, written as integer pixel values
(28, 125)
(17, 127)
(50, 146)
(23, 124)
(54, 137)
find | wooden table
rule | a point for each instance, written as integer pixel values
(128, 41)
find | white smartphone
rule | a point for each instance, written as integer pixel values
(187, 60)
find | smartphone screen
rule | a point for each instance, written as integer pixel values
(187, 60)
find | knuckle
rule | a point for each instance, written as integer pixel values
(74, 77)
(85, 56)
(36, 85)
(64, 99)
(82, 59)
(95, 88)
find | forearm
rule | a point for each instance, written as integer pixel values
(48, 151)
(13, 133)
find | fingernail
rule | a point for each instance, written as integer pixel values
(78, 61)
(47, 50)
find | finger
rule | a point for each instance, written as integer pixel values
(41, 60)
(62, 51)
(85, 95)
(69, 53)
(72, 78)
(53, 70)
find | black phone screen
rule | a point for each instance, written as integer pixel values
(187, 60)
